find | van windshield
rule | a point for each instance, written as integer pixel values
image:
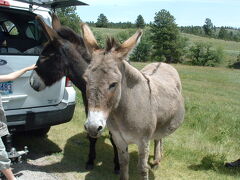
(20, 34)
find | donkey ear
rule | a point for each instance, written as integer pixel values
(55, 22)
(126, 48)
(52, 34)
(89, 38)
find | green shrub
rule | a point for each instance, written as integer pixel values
(236, 65)
(120, 36)
(203, 54)
(238, 58)
(142, 52)
(68, 17)
(124, 35)
(100, 37)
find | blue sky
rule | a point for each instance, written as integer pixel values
(186, 12)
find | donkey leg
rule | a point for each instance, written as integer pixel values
(122, 149)
(116, 161)
(143, 166)
(92, 153)
(158, 153)
(124, 161)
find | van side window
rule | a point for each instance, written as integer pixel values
(21, 38)
(34, 30)
(11, 28)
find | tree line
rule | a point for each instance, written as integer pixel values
(102, 22)
(209, 30)
(161, 41)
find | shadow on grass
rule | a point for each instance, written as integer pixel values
(235, 65)
(215, 163)
(38, 146)
(75, 154)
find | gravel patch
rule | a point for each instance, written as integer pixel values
(31, 170)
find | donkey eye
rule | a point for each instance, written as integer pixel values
(113, 85)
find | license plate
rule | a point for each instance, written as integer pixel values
(6, 88)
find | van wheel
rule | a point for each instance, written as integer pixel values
(39, 132)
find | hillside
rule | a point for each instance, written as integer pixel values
(230, 48)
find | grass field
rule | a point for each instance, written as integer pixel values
(207, 139)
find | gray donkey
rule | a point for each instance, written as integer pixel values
(136, 106)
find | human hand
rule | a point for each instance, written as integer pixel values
(32, 67)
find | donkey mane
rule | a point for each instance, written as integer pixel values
(70, 35)
(111, 44)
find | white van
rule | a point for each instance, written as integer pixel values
(21, 41)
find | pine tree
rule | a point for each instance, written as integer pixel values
(69, 17)
(140, 22)
(167, 44)
(102, 21)
(222, 33)
(208, 27)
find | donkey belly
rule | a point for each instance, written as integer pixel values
(130, 136)
(127, 136)
(170, 126)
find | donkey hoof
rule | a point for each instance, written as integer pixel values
(154, 165)
(89, 167)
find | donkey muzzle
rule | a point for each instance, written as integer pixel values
(36, 82)
(95, 123)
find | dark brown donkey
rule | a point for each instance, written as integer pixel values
(65, 54)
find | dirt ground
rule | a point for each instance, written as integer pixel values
(31, 170)
(35, 164)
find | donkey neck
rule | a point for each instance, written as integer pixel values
(134, 99)
(77, 67)
(134, 85)
(131, 75)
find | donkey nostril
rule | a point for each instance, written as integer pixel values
(99, 128)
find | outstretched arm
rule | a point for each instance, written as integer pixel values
(16, 74)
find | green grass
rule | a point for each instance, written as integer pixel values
(102, 33)
(107, 31)
(207, 139)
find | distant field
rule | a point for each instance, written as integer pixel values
(226, 45)
(231, 48)
(107, 32)
(208, 137)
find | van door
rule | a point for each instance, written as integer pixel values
(21, 41)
